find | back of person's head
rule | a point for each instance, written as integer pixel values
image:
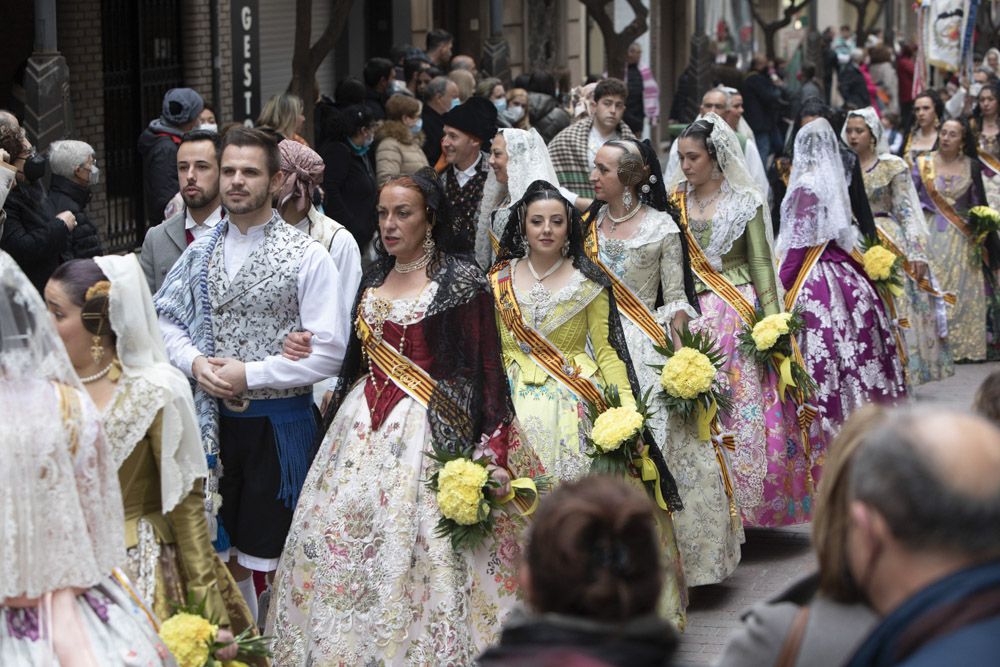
(12, 140)
(436, 38)
(542, 81)
(987, 403)
(831, 513)
(593, 552)
(377, 69)
(281, 113)
(249, 137)
(398, 106)
(206, 135)
(399, 52)
(436, 87)
(465, 81)
(67, 155)
(610, 86)
(485, 87)
(857, 55)
(934, 477)
(349, 91)
(808, 71)
(412, 67)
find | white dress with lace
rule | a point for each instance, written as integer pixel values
(363, 579)
(652, 259)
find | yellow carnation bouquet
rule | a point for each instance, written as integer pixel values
(466, 491)
(769, 341)
(690, 378)
(983, 220)
(883, 266)
(191, 637)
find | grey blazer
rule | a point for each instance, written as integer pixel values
(162, 247)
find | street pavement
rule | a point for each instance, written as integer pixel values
(773, 559)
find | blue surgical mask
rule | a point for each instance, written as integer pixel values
(418, 127)
(454, 102)
(362, 149)
(500, 104)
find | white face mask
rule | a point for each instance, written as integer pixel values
(975, 89)
(95, 174)
(515, 112)
(209, 127)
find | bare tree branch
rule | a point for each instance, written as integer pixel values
(771, 28)
(616, 43)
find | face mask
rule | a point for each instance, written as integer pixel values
(975, 89)
(515, 113)
(500, 104)
(95, 174)
(418, 127)
(362, 149)
(454, 102)
(209, 127)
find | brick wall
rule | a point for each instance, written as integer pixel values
(79, 40)
(196, 37)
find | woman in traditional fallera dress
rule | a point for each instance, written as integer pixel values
(725, 214)
(364, 577)
(551, 290)
(104, 313)
(986, 126)
(61, 531)
(949, 182)
(848, 343)
(922, 138)
(518, 158)
(900, 220)
(641, 247)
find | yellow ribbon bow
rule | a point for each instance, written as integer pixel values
(523, 484)
(785, 379)
(704, 419)
(650, 473)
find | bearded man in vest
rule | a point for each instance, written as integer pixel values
(225, 310)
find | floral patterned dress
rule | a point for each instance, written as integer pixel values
(990, 143)
(892, 198)
(957, 264)
(552, 418)
(364, 579)
(707, 536)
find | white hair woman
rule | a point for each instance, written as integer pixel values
(74, 171)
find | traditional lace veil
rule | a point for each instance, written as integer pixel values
(816, 207)
(142, 354)
(527, 161)
(62, 523)
(874, 125)
(740, 198)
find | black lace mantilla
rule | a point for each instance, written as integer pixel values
(472, 396)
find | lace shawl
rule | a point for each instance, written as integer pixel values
(472, 398)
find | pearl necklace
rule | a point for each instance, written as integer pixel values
(625, 218)
(98, 375)
(415, 265)
(552, 269)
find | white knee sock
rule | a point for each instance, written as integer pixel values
(249, 594)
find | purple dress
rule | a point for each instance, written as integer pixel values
(848, 343)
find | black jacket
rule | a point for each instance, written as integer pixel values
(635, 112)
(853, 88)
(67, 195)
(433, 129)
(34, 239)
(158, 148)
(350, 190)
(762, 102)
(547, 116)
(554, 639)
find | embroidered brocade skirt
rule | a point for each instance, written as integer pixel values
(554, 424)
(119, 631)
(770, 462)
(363, 578)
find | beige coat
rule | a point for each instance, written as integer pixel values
(399, 152)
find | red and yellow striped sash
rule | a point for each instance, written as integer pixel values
(989, 161)
(718, 283)
(400, 369)
(535, 345)
(628, 303)
(808, 262)
(926, 167)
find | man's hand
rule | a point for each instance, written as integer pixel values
(502, 478)
(325, 403)
(229, 651)
(298, 345)
(231, 371)
(204, 373)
